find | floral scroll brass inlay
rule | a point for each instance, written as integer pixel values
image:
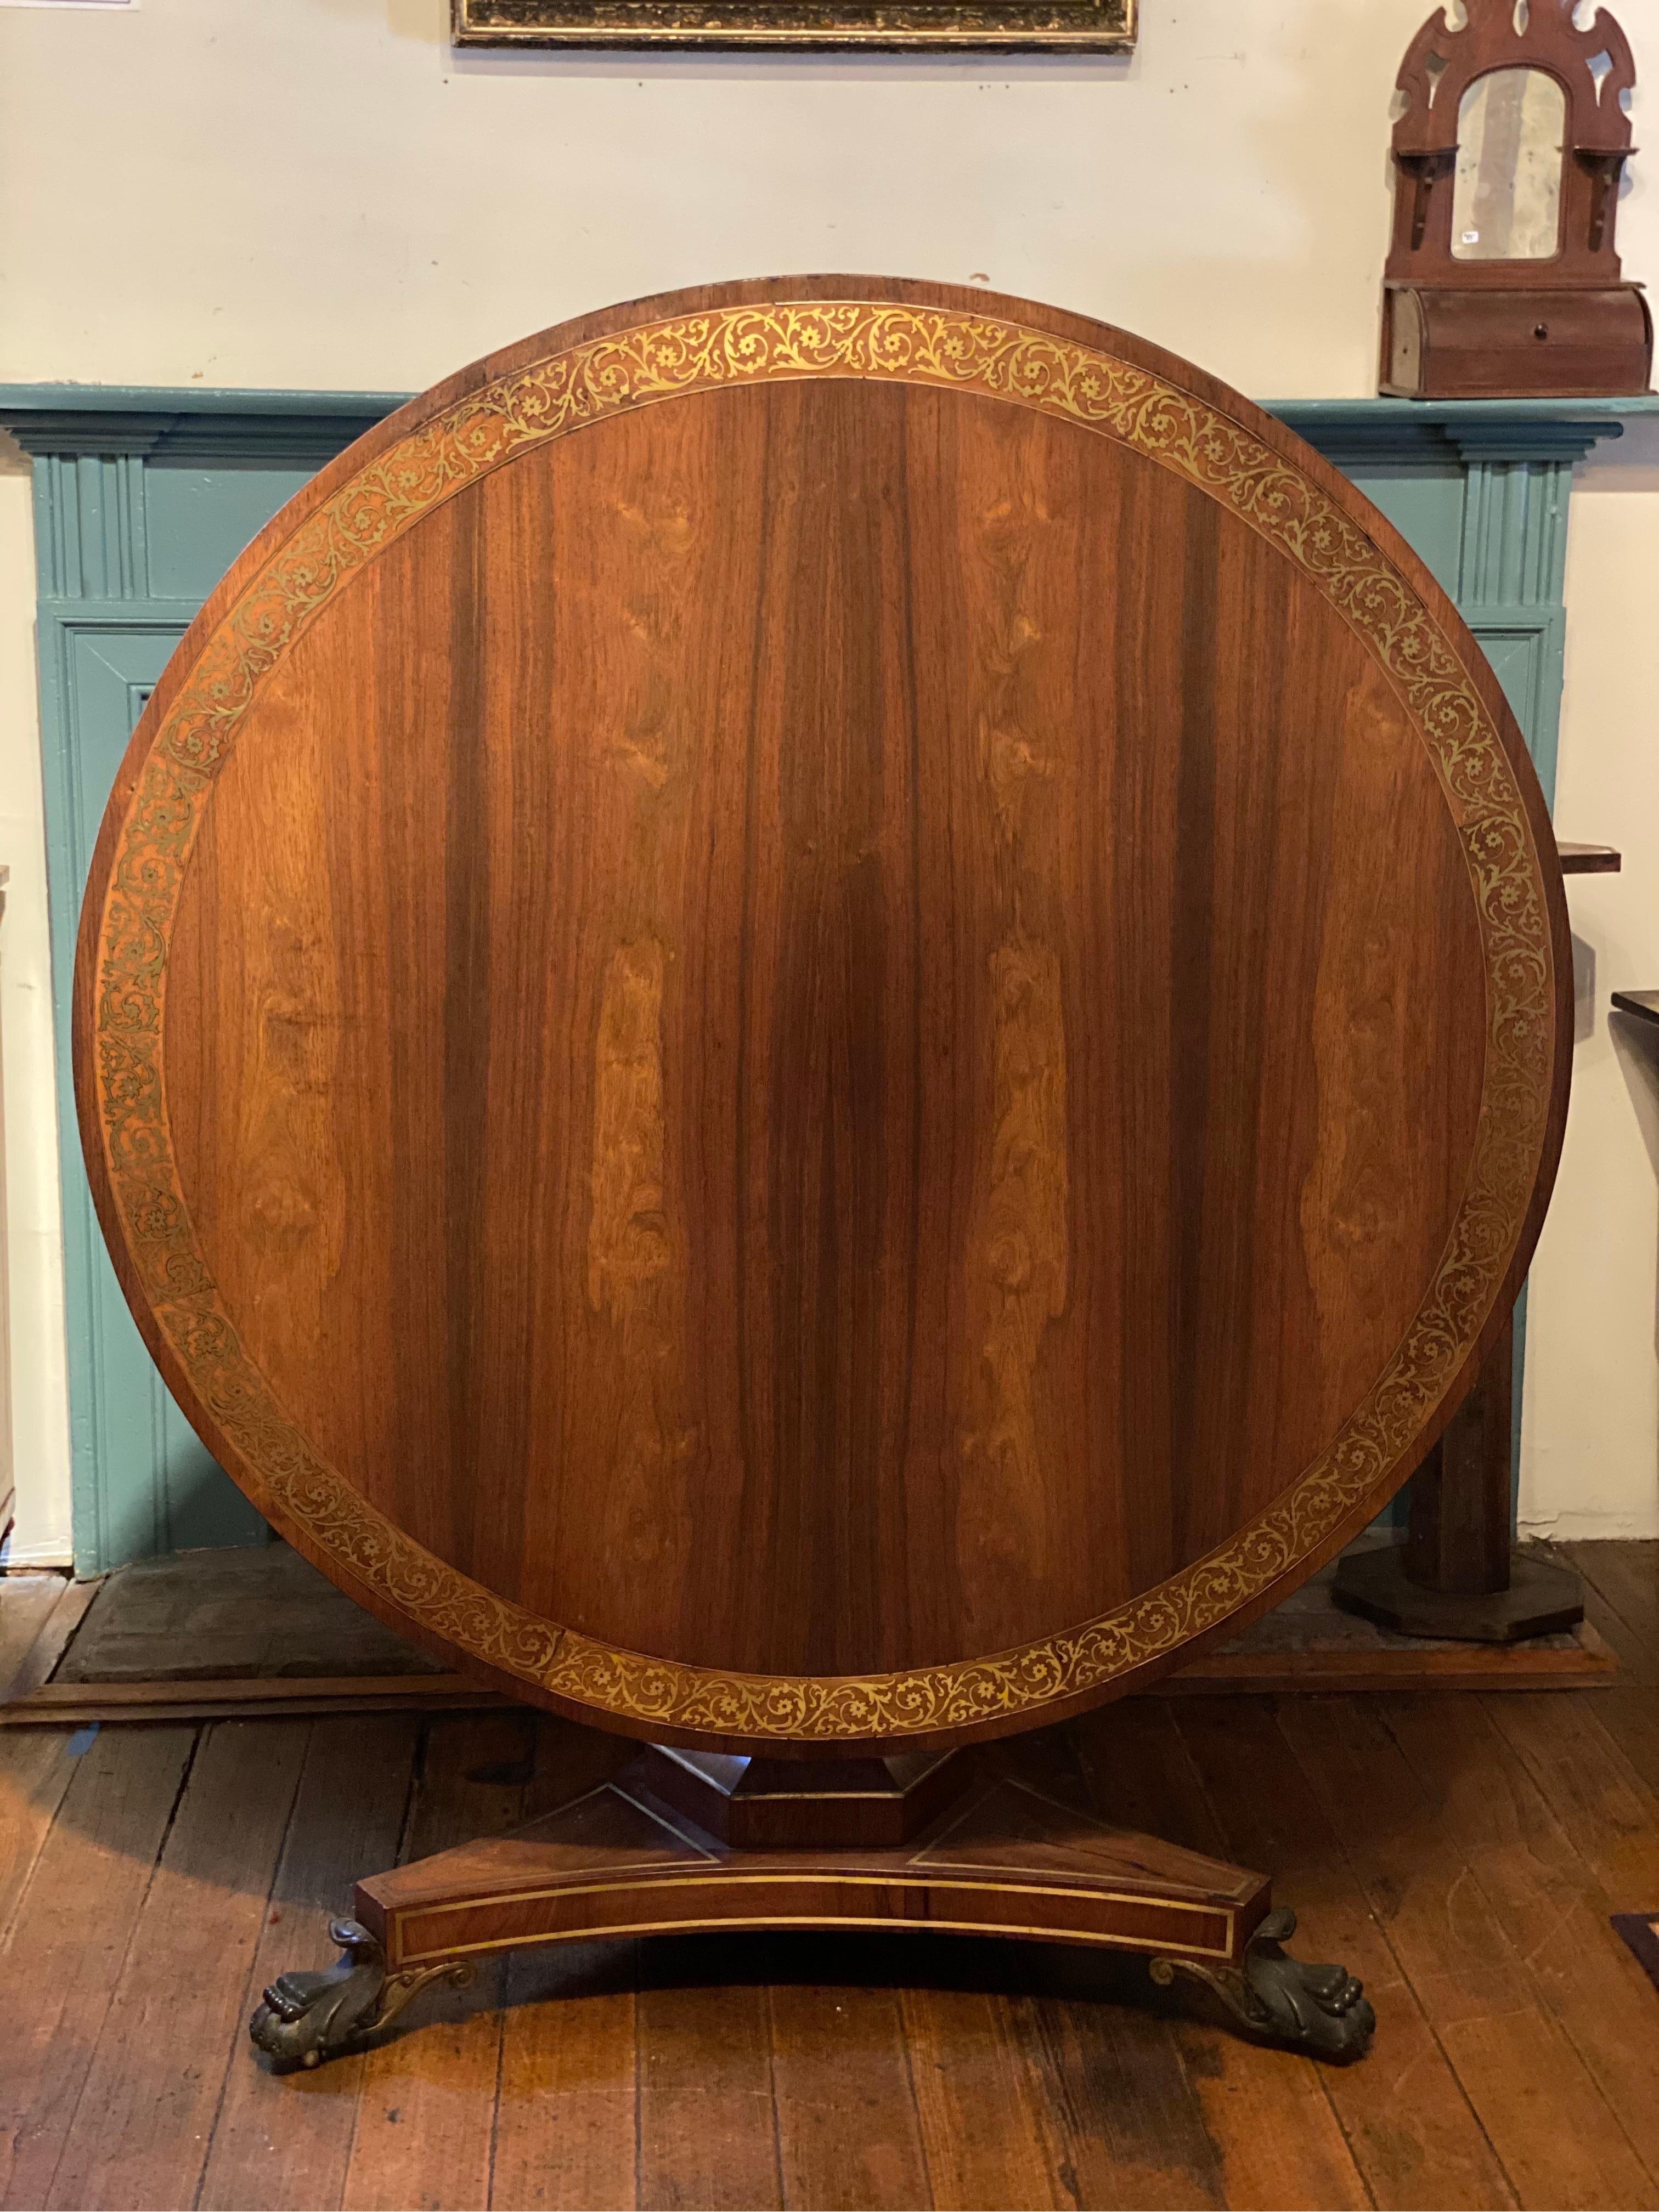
(736, 346)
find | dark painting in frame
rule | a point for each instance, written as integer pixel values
(915, 26)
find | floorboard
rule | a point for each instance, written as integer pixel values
(1538, 2102)
(282, 2141)
(144, 2120)
(1125, 2086)
(567, 2111)
(709, 2122)
(848, 2130)
(69, 1942)
(987, 2134)
(26, 1605)
(1408, 2124)
(1622, 1600)
(1605, 1801)
(1254, 2104)
(1548, 1905)
(36, 1769)
(566, 2115)
(1461, 1852)
(425, 2129)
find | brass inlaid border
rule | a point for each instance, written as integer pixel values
(699, 1876)
(719, 348)
(828, 1921)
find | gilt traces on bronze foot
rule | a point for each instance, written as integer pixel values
(308, 2017)
(1320, 2010)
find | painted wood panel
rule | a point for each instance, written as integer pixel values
(138, 510)
(143, 1482)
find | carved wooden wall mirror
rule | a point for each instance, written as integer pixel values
(1502, 277)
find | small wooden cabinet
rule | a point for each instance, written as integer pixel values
(1502, 277)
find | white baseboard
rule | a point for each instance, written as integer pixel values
(33, 1559)
(1575, 1526)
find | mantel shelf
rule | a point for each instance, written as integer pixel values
(226, 421)
(1456, 412)
(1469, 430)
(1588, 860)
(234, 399)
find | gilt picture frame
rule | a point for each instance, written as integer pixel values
(915, 26)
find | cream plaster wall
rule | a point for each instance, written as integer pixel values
(1590, 1428)
(33, 1223)
(319, 192)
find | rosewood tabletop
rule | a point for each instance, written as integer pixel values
(824, 1013)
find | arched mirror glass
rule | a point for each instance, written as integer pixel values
(1506, 201)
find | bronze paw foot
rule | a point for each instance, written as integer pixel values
(308, 2017)
(1320, 2010)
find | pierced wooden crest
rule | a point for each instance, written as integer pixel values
(1502, 277)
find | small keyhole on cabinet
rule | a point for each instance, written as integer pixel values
(1540, 329)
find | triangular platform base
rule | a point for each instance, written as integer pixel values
(1005, 1858)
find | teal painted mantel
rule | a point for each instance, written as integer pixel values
(1481, 488)
(142, 500)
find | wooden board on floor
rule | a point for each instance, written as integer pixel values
(426, 2112)
(351, 1808)
(1252, 2105)
(38, 1614)
(1424, 2147)
(76, 1703)
(144, 2118)
(199, 1639)
(242, 1612)
(65, 1950)
(1580, 1660)
(1538, 2104)
(1621, 1591)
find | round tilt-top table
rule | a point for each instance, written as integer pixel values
(813, 1020)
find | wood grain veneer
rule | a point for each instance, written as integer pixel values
(824, 1011)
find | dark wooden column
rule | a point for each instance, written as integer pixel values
(1458, 1573)
(1457, 1538)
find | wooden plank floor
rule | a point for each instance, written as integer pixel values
(1460, 1851)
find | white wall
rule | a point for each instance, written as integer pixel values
(319, 192)
(34, 1243)
(1591, 1430)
